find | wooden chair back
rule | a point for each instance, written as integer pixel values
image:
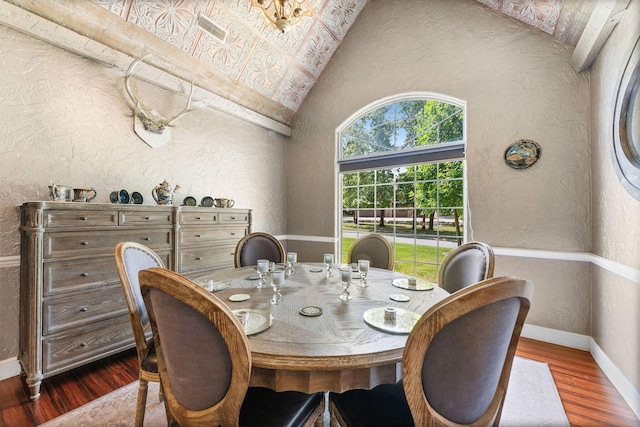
(372, 247)
(131, 258)
(457, 360)
(255, 246)
(203, 353)
(465, 265)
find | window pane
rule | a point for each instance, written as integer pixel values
(418, 206)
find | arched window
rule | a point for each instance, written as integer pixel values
(401, 167)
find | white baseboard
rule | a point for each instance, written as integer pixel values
(9, 368)
(554, 336)
(629, 393)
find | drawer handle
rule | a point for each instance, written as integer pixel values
(198, 218)
(148, 239)
(198, 258)
(147, 218)
(85, 243)
(233, 218)
(198, 235)
(84, 344)
(84, 274)
(84, 218)
(233, 234)
(84, 309)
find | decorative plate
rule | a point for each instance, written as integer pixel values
(123, 197)
(136, 198)
(311, 311)
(522, 154)
(403, 324)
(207, 202)
(421, 285)
(189, 201)
(114, 197)
(239, 297)
(256, 320)
(399, 297)
(316, 270)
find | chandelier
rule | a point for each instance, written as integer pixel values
(283, 14)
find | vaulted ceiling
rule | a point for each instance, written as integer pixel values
(256, 71)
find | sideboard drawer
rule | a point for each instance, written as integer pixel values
(80, 244)
(82, 309)
(206, 258)
(63, 276)
(77, 218)
(208, 235)
(68, 348)
(204, 216)
(141, 218)
(230, 217)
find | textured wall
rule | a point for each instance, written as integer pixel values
(65, 121)
(517, 83)
(616, 234)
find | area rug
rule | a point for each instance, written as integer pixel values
(532, 400)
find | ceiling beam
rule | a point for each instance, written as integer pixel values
(93, 32)
(605, 16)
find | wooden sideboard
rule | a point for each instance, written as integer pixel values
(72, 309)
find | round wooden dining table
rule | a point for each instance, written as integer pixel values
(334, 351)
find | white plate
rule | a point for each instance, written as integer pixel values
(404, 323)
(316, 270)
(239, 297)
(399, 297)
(421, 285)
(255, 320)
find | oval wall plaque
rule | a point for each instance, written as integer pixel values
(522, 154)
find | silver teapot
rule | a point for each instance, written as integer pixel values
(164, 192)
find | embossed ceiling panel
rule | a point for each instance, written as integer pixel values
(283, 67)
(258, 73)
(543, 15)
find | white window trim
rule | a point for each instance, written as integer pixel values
(407, 96)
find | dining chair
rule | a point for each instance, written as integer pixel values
(205, 362)
(465, 265)
(131, 257)
(455, 366)
(372, 247)
(255, 246)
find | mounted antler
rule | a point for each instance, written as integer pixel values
(151, 121)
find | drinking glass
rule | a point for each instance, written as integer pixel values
(363, 268)
(292, 259)
(277, 280)
(345, 277)
(328, 261)
(263, 268)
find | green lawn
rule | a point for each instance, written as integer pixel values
(427, 259)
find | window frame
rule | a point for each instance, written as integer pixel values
(442, 152)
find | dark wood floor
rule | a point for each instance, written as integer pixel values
(588, 397)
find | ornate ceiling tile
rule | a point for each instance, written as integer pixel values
(540, 14)
(281, 66)
(317, 50)
(294, 88)
(339, 15)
